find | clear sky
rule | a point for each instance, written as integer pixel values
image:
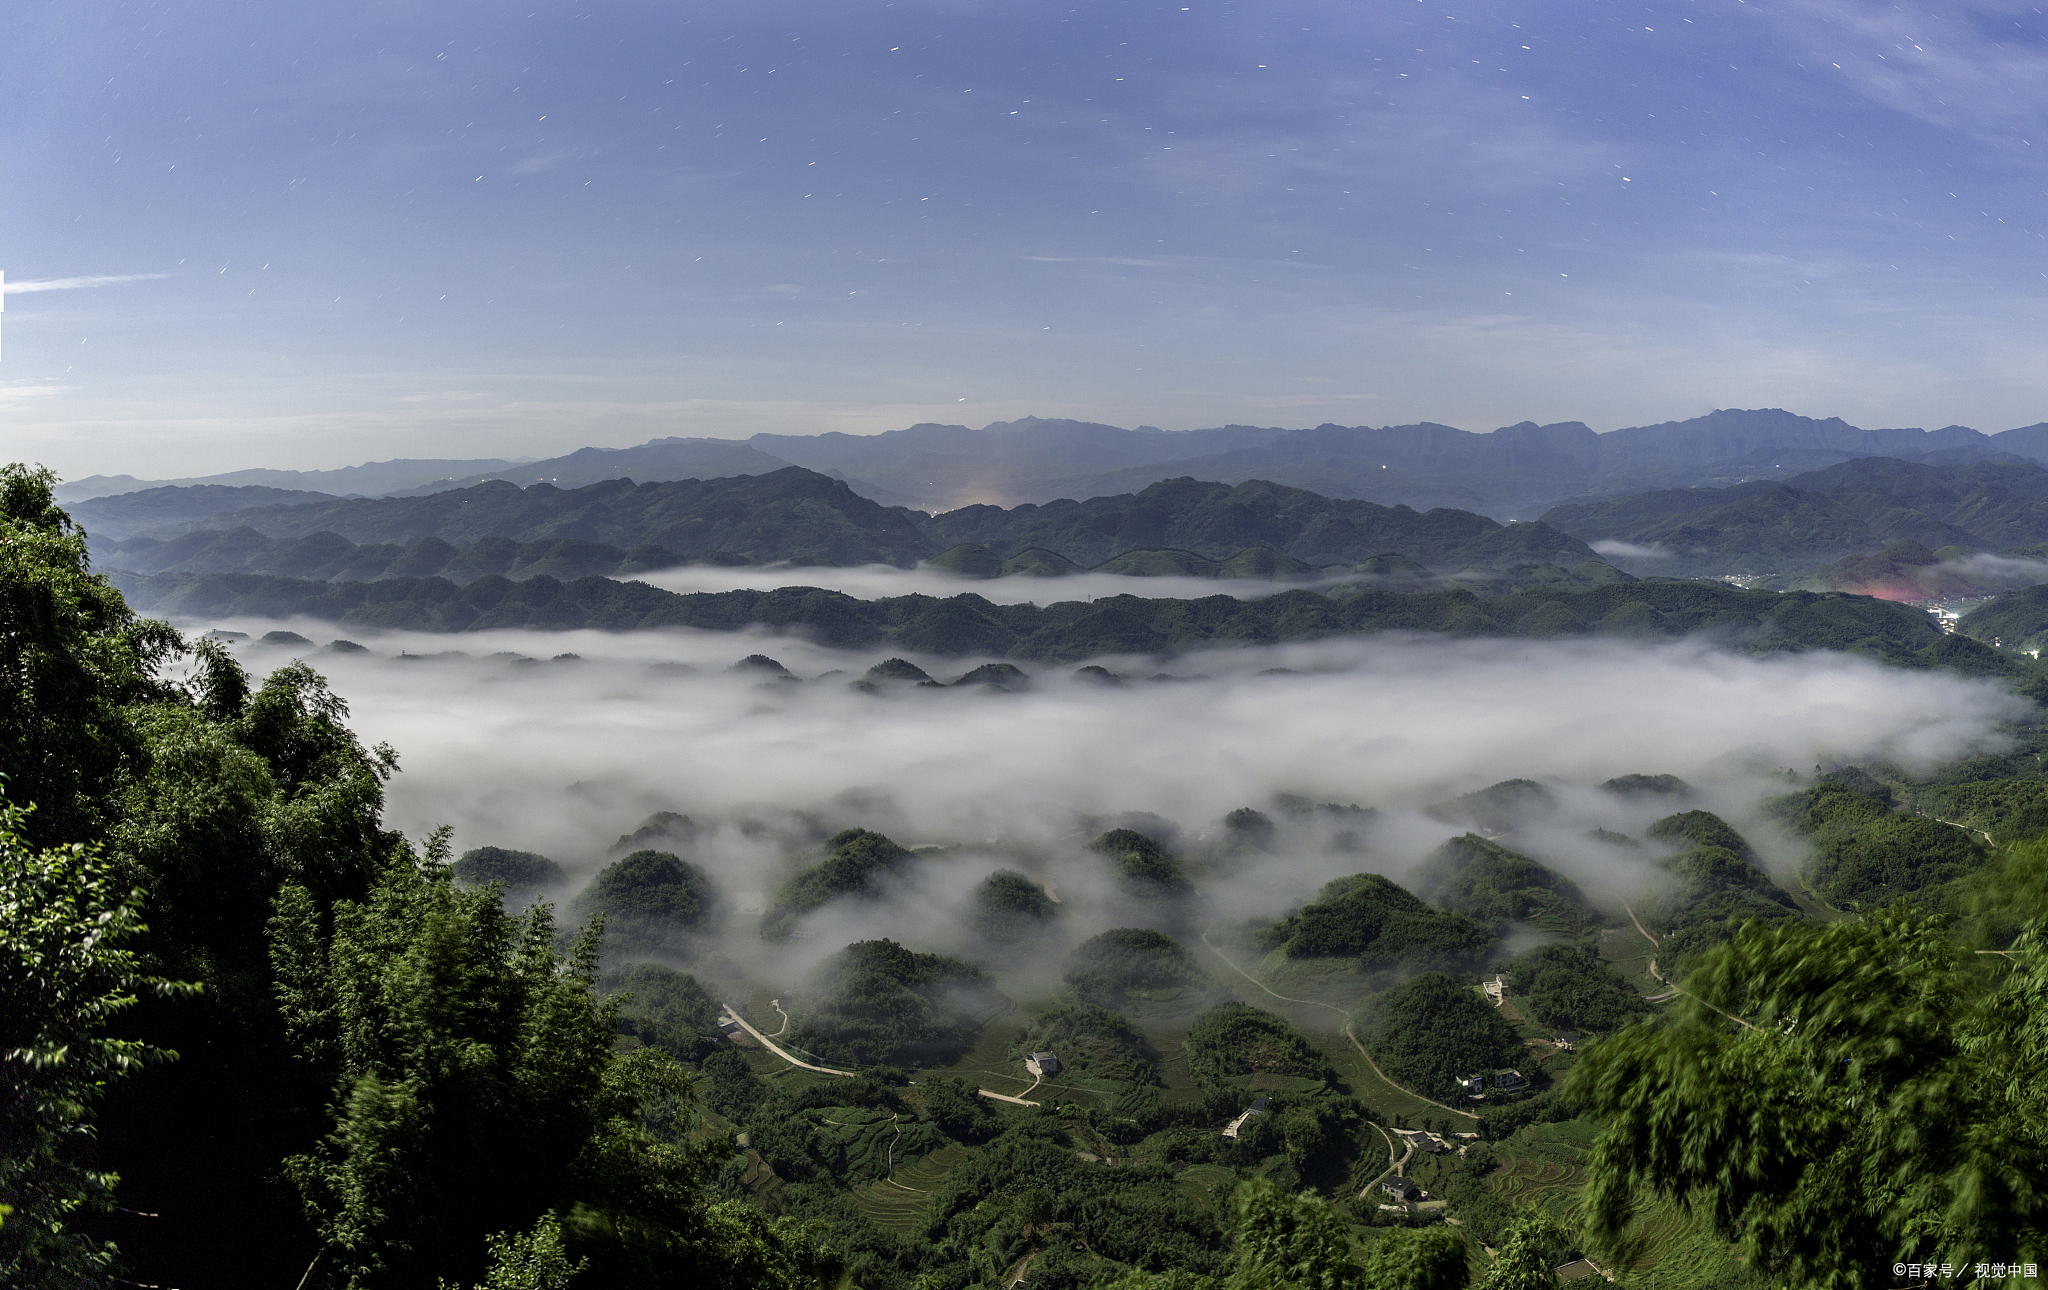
(392, 228)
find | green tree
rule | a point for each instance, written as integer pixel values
(1886, 1098)
(478, 1088)
(1530, 1253)
(531, 1260)
(71, 655)
(68, 967)
(1298, 1241)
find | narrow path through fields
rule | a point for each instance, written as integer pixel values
(777, 1049)
(1317, 1003)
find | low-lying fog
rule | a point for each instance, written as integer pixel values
(873, 581)
(565, 756)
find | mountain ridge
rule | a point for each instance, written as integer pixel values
(1515, 471)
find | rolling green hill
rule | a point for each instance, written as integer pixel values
(1378, 923)
(1067, 631)
(1484, 880)
(1846, 511)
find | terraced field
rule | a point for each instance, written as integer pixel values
(1527, 1181)
(900, 1205)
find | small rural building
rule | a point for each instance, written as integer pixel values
(1042, 1064)
(1401, 1189)
(1567, 1040)
(1424, 1140)
(1473, 1086)
(1508, 1081)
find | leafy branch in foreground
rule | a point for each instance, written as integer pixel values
(66, 971)
(1887, 1100)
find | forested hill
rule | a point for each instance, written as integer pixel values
(1071, 631)
(801, 516)
(788, 514)
(1219, 520)
(1849, 509)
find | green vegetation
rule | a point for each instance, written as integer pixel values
(854, 863)
(1569, 986)
(68, 968)
(650, 901)
(1238, 1039)
(1705, 894)
(1758, 622)
(1008, 907)
(876, 1002)
(524, 874)
(1128, 963)
(1486, 881)
(1499, 807)
(1866, 855)
(2007, 809)
(425, 1086)
(1094, 1041)
(1143, 866)
(665, 1009)
(1380, 924)
(1648, 786)
(1433, 1030)
(1701, 829)
(1886, 1100)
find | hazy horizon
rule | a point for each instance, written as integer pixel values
(245, 232)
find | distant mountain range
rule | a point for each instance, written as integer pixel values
(1847, 510)
(791, 515)
(1514, 472)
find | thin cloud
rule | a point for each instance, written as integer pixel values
(79, 284)
(1095, 259)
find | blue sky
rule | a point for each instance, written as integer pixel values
(356, 232)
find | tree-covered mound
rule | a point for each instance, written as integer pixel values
(651, 901)
(665, 1009)
(1484, 880)
(1144, 868)
(876, 1002)
(1008, 907)
(1701, 829)
(1129, 963)
(1866, 855)
(1498, 807)
(1094, 1041)
(1433, 1030)
(1379, 923)
(1569, 986)
(525, 874)
(1647, 786)
(1238, 1039)
(1704, 894)
(855, 861)
(1758, 622)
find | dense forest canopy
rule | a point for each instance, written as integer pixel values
(1434, 1030)
(876, 1002)
(1128, 963)
(650, 901)
(1481, 879)
(1378, 923)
